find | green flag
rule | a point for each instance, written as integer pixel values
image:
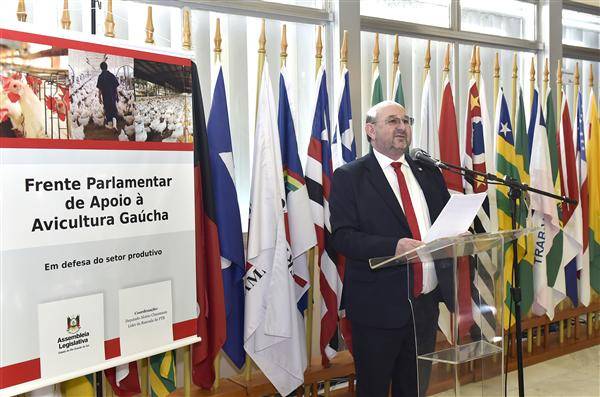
(376, 87)
(522, 163)
(162, 374)
(554, 256)
(398, 92)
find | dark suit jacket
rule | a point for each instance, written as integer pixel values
(367, 221)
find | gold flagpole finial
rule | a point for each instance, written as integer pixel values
(576, 74)
(428, 55)
(497, 66)
(319, 49)
(546, 71)
(515, 68)
(21, 12)
(218, 41)
(513, 103)
(65, 21)
(477, 60)
(376, 49)
(396, 52)
(447, 59)
(591, 76)
(109, 22)
(473, 62)
(559, 73)
(344, 50)
(531, 80)
(186, 39)
(149, 27)
(496, 77)
(284, 45)
(262, 39)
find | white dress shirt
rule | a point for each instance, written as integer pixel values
(419, 204)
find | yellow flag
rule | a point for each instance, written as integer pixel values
(79, 387)
(593, 163)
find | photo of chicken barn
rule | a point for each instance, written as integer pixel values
(103, 98)
(163, 101)
(34, 91)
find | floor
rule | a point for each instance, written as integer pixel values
(576, 374)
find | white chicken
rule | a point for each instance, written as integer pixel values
(32, 108)
(123, 136)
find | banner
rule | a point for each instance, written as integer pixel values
(97, 235)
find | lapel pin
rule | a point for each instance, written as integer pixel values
(420, 169)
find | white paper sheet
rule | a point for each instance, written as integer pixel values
(456, 217)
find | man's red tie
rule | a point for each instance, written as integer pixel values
(409, 211)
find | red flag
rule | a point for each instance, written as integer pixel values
(448, 137)
(209, 293)
(128, 386)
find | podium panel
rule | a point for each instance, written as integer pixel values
(455, 291)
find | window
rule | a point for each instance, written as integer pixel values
(580, 29)
(500, 18)
(426, 12)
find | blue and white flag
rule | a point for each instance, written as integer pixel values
(343, 144)
(302, 234)
(228, 221)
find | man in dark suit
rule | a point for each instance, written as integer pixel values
(382, 204)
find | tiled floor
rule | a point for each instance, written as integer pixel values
(571, 375)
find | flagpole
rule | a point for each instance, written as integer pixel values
(217, 362)
(319, 50)
(427, 66)
(515, 94)
(375, 61)
(531, 90)
(284, 45)
(472, 64)
(395, 66)
(559, 94)
(344, 53)
(144, 377)
(546, 79)
(497, 80)
(478, 67)
(446, 69)
(538, 341)
(262, 41)
(575, 88)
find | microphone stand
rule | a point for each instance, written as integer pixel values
(515, 192)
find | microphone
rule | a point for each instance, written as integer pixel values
(422, 156)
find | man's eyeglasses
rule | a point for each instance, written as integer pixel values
(397, 121)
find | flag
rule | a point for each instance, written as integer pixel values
(427, 137)
(474, 158)
(593, 157)
(448, 138)
(343, 144)
(229, 224)
(124, 379)
(301, 230)
(570, 214)
(545, 213)
(398, 91)
(79, 387)
(211, 322)
(162, 374)
(274, 330)
(376, 86)
(522, 163)
(508, 165)
(555, 254)
(318, 181)
(583, 257)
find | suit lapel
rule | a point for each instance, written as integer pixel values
(382, 186)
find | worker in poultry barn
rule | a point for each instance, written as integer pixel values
(107, 92)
